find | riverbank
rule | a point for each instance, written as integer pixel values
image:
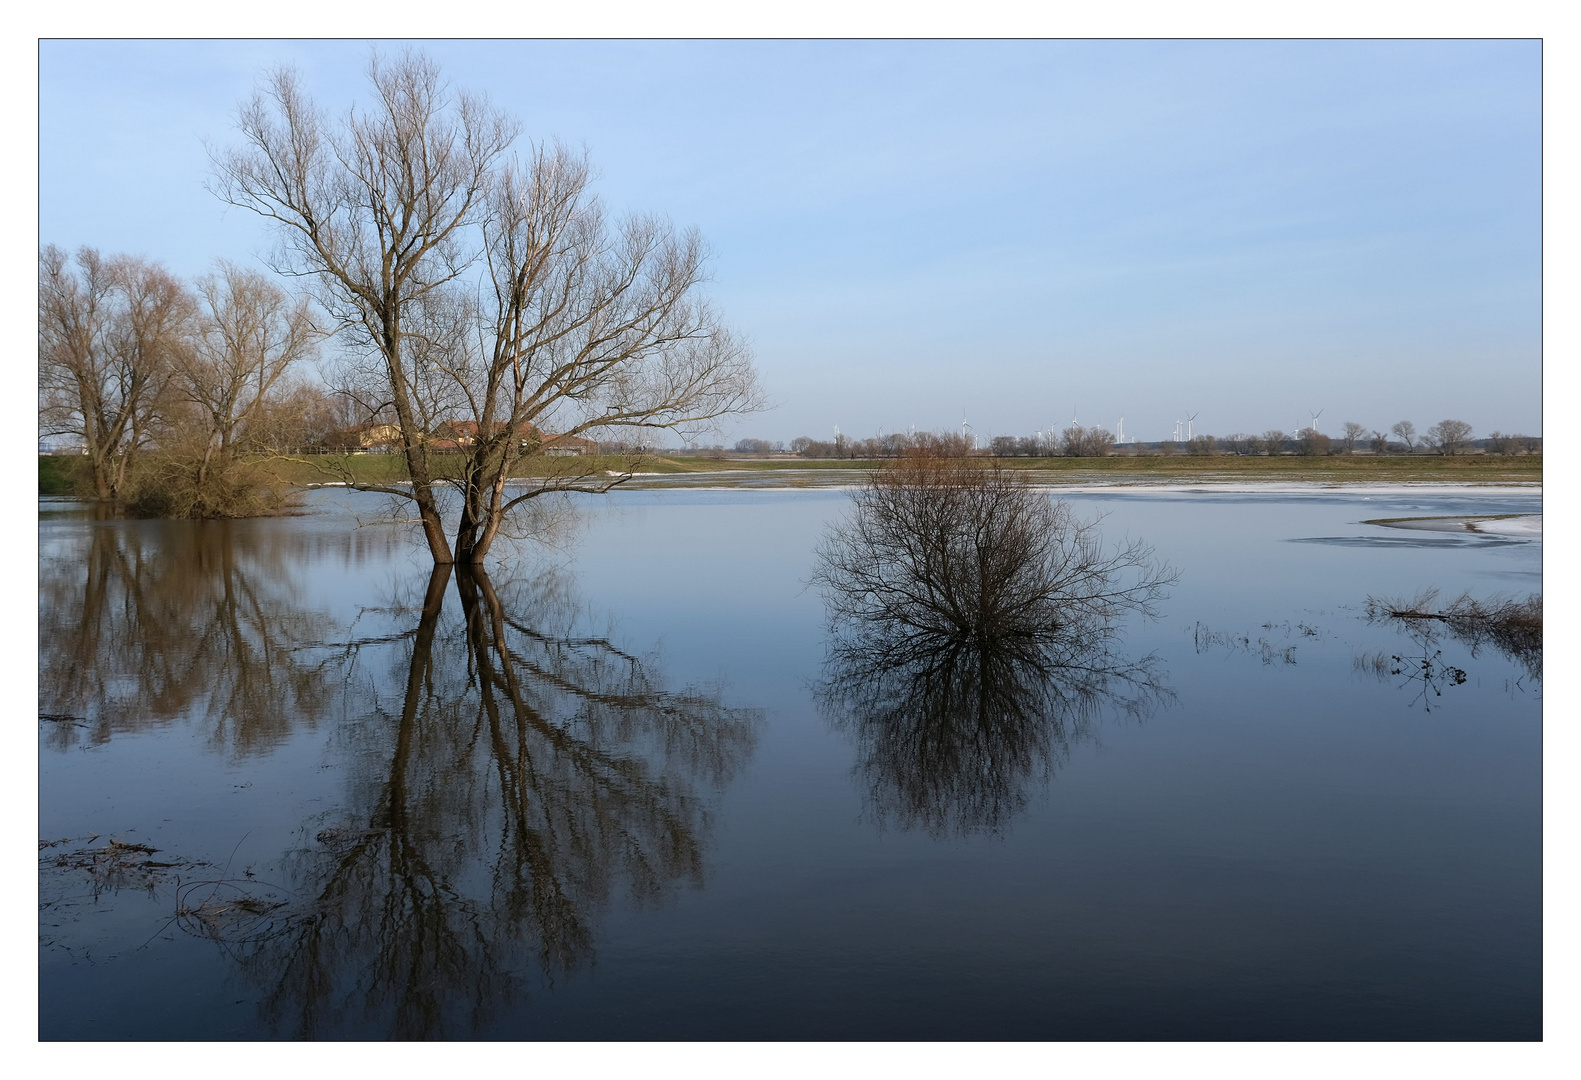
(58, 475)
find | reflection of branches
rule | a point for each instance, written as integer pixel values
(975, 627)
(1512, 627)
(142, 625)
(1429, 670)
(533, 769)
(949, 737)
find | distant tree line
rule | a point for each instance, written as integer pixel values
(1447, 437)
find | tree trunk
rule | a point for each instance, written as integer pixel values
(101, 479)
(412, 437)
(433, 527)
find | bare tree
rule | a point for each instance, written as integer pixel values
(568, 323)
(1449, 436)
(107, 334)
(1380, 442)
(376, 209)
(1407, 433)
(301, 415)
(249, 336)
(1274, 441)
(1354, 433)
(586, 328)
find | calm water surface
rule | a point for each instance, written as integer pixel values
(609, 792)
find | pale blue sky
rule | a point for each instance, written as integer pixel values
(1022, 230)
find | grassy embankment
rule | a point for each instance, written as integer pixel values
(57, 475)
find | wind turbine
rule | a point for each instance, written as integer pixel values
(1189, 419)
(1315, 415)
(965, 427)
(1119, 430)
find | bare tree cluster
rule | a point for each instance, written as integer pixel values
(481, 288)
(132, 359)
(1077, 441)
(882, 446)
(759, 446)
(1499, 443)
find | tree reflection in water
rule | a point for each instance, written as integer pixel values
(528, 772)
(975, 638)
(173, 620)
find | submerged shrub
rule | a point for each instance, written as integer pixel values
(938, 547)
(974, 638)
(185, 486)
(1512, 626)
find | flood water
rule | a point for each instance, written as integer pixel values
(293, 784)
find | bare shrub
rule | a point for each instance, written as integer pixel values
(975, 625)
(944, 548)
(1512, 626)
(1314, 443)
(178, 482)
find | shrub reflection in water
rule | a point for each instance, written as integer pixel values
(975, 636)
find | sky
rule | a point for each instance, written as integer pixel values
(1022, 233)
